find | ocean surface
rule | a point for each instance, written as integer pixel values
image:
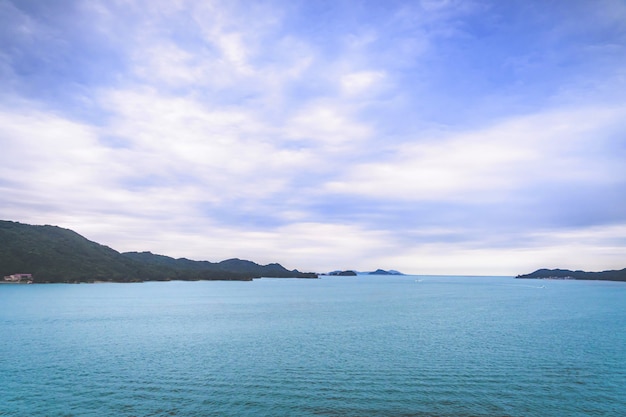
(336, 346)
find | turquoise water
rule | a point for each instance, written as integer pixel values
(337, 346)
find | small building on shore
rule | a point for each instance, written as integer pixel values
(19, 278)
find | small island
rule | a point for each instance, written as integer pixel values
(383, 272)
(347, 273)
(611, 275)
(352, 273)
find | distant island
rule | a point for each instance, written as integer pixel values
(51, 254)
(348, 273)
(383, 272)
(612, 275)
(352, 273)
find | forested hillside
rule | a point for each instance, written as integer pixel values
(54, 254)
(613, 275)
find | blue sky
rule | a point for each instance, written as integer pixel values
(433, 137)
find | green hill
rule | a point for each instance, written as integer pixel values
(54, 254)
(613, 275)
(229, 269)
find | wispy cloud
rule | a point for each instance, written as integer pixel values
(513, 155)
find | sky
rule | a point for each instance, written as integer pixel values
(432, 137)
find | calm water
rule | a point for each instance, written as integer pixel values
(340, 346)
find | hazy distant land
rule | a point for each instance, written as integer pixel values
(353, 273)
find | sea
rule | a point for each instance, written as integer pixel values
(335, 346)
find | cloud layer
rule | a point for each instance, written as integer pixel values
(430, 137)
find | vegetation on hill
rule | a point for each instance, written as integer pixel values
(54, 254)
(348, 273)
(613, 275)
(187, 269)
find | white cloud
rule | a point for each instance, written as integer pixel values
(167, 63)
(322, 247)
(492, 162)
(308, 246)
(227, 150)
(30, 138)
(328, 123)
(360, 82)
(593, 249)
